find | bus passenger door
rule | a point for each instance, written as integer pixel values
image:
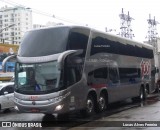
(73, 80)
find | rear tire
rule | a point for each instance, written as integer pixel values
(142, 95)
(146, 92)
(102, 103)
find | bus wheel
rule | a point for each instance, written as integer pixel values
(102, 104)
(145, 93)
(142, 95)
(90, 106)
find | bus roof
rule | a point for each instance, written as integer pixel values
(109, 36)
(105, 34)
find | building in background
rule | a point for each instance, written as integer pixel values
(14, 22)
(51, 24)
(48, 24)
(6, 50)
(37, 26)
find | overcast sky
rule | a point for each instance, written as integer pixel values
(95, 13)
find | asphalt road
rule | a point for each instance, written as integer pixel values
(118, 116)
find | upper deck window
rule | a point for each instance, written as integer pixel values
(78, 39)
(44, 42)
(49, 41)
(102, 44)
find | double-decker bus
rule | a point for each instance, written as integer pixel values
(67, 68)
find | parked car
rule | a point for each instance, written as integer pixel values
(6, 95)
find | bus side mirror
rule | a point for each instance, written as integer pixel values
(5, 61)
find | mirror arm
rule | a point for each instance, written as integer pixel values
(5, 61)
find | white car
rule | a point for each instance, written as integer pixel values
(6, 95)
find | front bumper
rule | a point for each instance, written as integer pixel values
(47, 109)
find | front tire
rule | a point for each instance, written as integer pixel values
(90, 106)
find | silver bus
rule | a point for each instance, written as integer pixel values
(68, 68)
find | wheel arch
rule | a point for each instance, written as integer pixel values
(93, 94)
(105, 92)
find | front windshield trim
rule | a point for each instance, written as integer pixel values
(46, 75)
(40, 59)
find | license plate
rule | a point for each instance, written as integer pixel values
(35, 110)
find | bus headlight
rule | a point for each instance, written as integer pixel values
(59, 107)
(16, 108)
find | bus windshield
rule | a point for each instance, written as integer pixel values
(37, 78)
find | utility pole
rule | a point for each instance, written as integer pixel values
(126, 30)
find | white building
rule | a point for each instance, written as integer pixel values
(51, 24)
(37, 26)
(14, 22)
(48, 24)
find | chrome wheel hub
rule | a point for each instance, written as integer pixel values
(89, 106)
(102, 103)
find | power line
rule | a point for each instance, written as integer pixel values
(40, 12)
(34, 10)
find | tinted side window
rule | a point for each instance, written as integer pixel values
(10, 89)
(113, 75)
(78, 39)
(55, 40)
(72, 69)
(98, 76)
(129, 74)
(101, 73)
(2, 92)
(104, 45)
(71, 76)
